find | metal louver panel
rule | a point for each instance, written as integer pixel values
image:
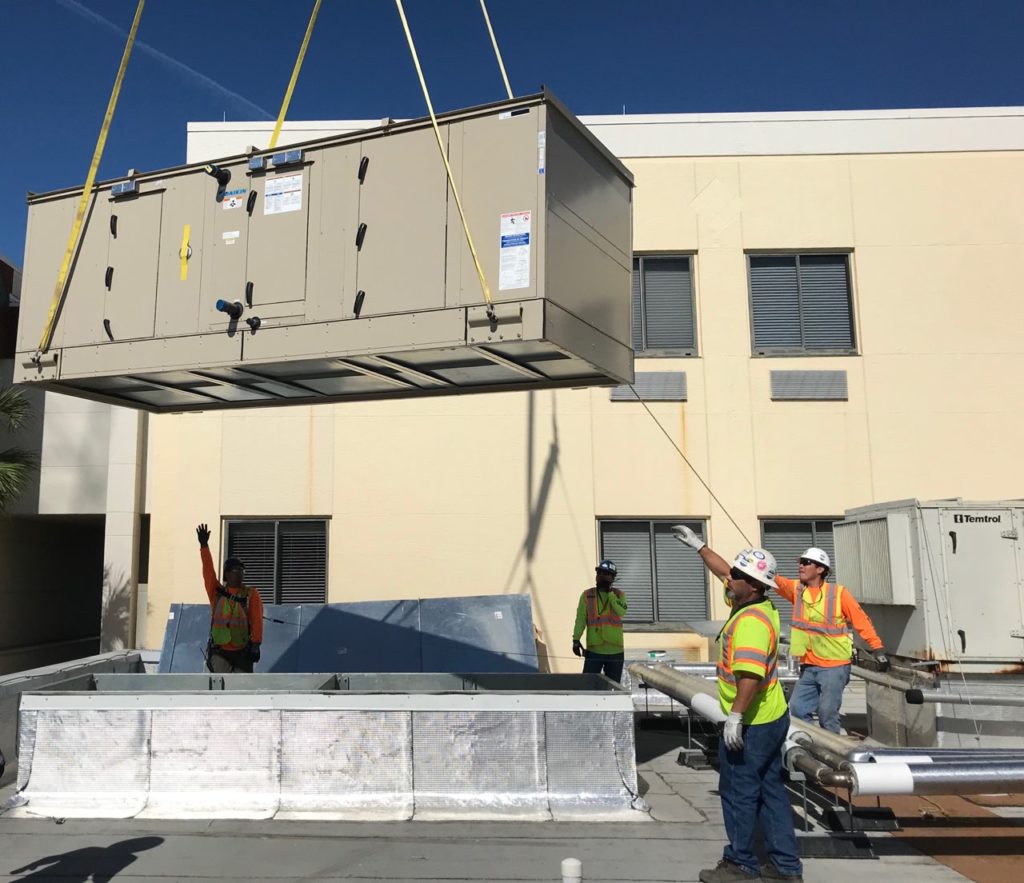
(681, 576)
(668, 304)
(825, 302)
(820, 386)
(253, 542)
(637, 309)
(628, 544)
(787, 541)
(303, 562)
(775, 303)
(653, 386)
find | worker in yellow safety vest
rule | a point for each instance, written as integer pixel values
(600, 611)
(757, 722)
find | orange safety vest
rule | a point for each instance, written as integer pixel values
(229, 622)
(609, 617)
(819, 626)
(730, 654)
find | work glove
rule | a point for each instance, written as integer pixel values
(881, 659)
(733, 734)
(254, 652)
(687, 536)
(203, 535)
(577, 648)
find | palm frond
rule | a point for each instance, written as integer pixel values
(14, 407)
(16, 466)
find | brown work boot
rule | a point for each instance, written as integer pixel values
(728, 872)
(770, 872)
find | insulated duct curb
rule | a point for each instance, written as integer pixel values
(482, 760)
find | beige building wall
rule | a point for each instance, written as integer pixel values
(503, 492)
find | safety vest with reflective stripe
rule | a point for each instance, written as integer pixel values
(819, 626)
(229, 625)
(750, 643)
(603, 622)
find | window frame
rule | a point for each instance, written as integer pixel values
(665, 352)
(802, 351)
(657, 625)
(228, 520)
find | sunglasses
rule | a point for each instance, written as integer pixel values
(806, 562)
(739, 574)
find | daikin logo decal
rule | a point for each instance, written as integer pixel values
(977, 519)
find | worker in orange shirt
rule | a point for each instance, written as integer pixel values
(823, 614)
(236, 614)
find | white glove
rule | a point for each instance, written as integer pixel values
(685, 535)
(733, 735)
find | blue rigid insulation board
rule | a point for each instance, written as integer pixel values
(483, 633)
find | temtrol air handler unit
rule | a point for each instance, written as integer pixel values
(338, 269)
(943, 582)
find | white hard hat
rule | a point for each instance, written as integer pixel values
(818, 555)
(758, 564)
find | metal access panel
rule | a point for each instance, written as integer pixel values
(339, 270)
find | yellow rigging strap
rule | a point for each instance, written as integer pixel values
(497, 51)
(444, 156)
(59, 290)
(295, 76)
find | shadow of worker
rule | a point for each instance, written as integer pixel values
(96, 863)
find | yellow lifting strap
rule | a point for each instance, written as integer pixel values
(295, 76)
(497, 51)
(76, 226)
(444, 156)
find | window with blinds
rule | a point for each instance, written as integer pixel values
(285, 559)
(663, 314)
(801, 304)
(664, 581)
(787, 539)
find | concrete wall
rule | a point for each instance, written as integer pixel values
(503, 492)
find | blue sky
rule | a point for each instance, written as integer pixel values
(211, 59)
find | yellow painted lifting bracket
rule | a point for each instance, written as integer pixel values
(60, 289)
(295, 76)
(185, 252)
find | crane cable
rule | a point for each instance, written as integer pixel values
(447, 165)
(295, 76)
(497, 51)
(60, 289)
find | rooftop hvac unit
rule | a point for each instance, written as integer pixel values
(942, 580)
(338, 269)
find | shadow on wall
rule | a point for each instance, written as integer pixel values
(97, 863)
(115, 617)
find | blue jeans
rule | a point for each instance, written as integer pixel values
(820, 690)
(611, 663)
(753, 793)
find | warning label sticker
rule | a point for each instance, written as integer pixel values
(283, 194)
(514, 259)
(233, 198)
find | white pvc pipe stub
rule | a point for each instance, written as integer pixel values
(572, 870)
(872, 779)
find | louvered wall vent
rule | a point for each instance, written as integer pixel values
(818, 386)
(654, 386)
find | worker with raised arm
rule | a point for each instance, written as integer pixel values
(823, 615)
(236, 614)
(600, 611)
(757, 722)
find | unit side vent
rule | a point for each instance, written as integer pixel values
(654, 386)
(876, 559)
(809, 386)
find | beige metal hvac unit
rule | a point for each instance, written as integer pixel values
(338, 270)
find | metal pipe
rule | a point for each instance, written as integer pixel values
(966, 777)
(955, 697)
(882, 679)
(684, 688)
(799, 758)
(933, 755)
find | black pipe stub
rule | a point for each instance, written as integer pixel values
(914, 696)
(233, 308)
